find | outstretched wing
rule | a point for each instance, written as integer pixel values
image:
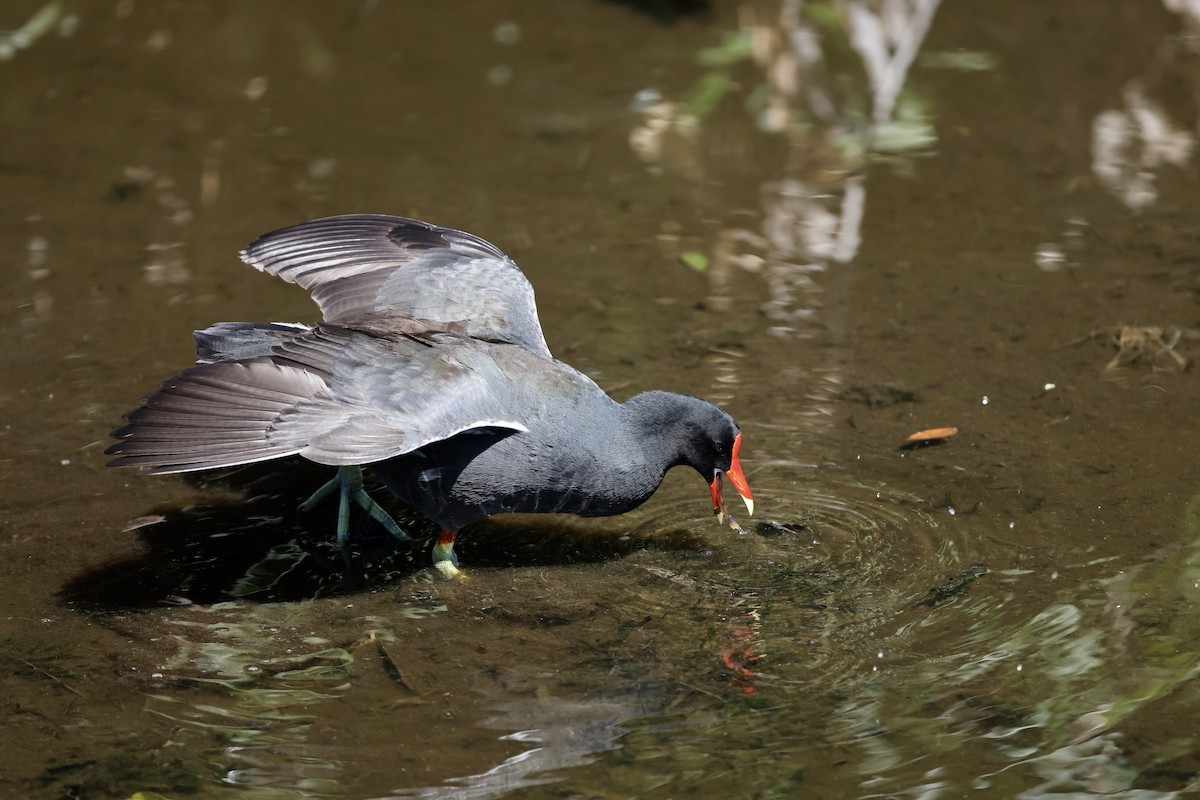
(332, 395)
(368, 267)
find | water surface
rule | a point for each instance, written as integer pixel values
(845, 222)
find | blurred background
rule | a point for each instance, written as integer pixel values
(846, 222)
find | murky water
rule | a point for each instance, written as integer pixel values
(847, 222)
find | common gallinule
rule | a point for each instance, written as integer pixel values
(431, 368)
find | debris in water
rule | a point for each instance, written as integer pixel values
(927, 437)
(1143, 344)
(953, 588)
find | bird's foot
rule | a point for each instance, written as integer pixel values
(444, 559)
(349, 485)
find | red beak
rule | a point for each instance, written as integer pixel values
(738, 479)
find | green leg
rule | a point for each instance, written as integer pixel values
(320, 494)
(349, 484)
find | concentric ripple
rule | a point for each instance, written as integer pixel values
(827, 584)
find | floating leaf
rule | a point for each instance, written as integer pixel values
(928, 437)
(932, 433)
(695, 260)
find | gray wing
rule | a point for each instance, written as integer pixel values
(231, 341)
(380, 268)
(332, 395)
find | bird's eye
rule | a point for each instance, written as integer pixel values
(718, 448)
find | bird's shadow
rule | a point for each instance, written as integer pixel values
(254, 545)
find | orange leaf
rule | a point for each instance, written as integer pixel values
(931, 434)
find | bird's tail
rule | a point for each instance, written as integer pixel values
(214, 415)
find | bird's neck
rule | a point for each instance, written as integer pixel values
(658, 422)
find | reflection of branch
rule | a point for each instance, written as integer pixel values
(1131, 144)
(888, 43)
(813, 212)
(849, 235)
(1188, 9)
(44, 20)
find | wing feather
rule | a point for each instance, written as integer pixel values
(384, 268)
(214, 415)
(333, 395)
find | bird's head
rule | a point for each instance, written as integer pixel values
(727, 463)
(700, 435)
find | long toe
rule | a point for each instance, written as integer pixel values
(378, 514)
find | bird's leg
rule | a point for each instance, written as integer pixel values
(349, 484)
(376, 511)
(320, 494)
(444, 559)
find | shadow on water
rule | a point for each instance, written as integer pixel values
(257, 546)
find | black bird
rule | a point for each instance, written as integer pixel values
(431, 368)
